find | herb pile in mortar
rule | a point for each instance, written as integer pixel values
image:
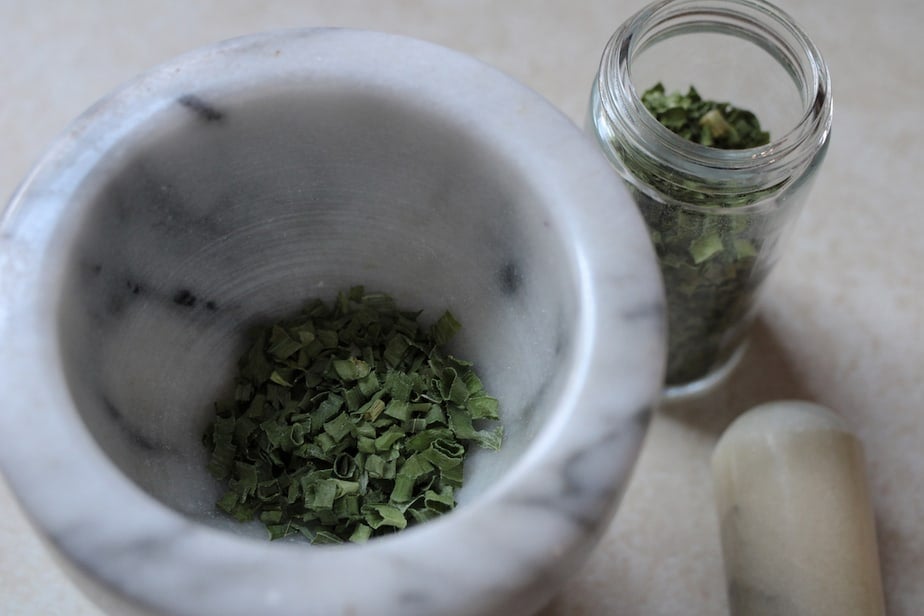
(708, 258)
(348, 421)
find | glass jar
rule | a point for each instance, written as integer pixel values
(718, 218)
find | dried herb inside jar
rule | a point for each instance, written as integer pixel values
(709, 123)
(708, 260)
(348, 421)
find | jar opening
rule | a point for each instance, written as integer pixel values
(746, 52)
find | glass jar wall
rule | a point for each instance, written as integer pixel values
(717, 217)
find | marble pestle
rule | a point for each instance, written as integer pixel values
(798, 536)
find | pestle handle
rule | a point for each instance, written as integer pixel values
(798, 536)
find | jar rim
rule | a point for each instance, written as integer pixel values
(755, 20)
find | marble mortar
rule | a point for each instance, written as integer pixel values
(230, 185)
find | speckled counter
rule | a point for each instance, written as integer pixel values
(841, 321)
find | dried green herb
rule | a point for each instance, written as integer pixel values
(348, 421)
(708, 260)
(709, 123)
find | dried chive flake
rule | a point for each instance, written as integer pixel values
(347, 422)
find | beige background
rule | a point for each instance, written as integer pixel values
(842, 322)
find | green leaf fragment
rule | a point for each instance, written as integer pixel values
(378, 516)
(231, 504)
(395, 349)
(223, 450)
(399, 386)
(744, 248)
(321, 494)
(280, 379)
(243, 391)
(444, 453)
(398, 409)
(403, 490)
(281, 345)
(458, 391)
(445, 328)
(372, 409)
(351, 369)
(322, 537)
(705, 247)
(354, 398)
(439, 502)
(388, 439)
(365, 444)
(375, 466)
(369, 384)
(327, 443)
(461, 425)
(483, 407)
(451, 476)
(339, 427)
(435, 415)
(361, 533)
(345, 466)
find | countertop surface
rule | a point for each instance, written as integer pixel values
(841, 322)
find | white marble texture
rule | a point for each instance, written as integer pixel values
(233, 184)
(840, 320)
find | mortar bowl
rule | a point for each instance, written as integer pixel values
(229, 186)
